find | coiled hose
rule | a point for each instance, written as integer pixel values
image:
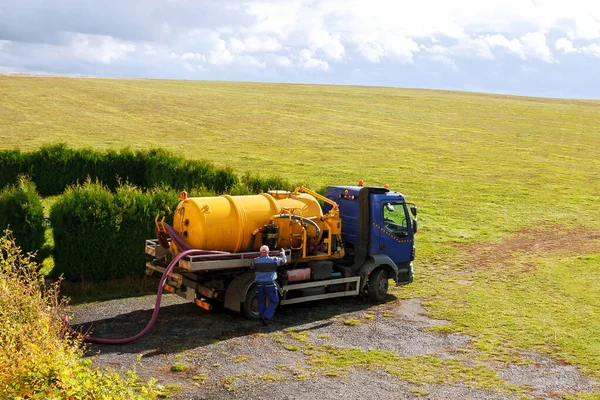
(161, 285)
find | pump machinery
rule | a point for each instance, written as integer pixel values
(352, 244)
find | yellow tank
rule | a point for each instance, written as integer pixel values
(227, 223)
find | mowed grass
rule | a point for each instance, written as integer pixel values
(480, 167)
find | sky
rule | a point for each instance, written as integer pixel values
(524, 47)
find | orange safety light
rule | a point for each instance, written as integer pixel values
(203, 304)
(386, 186)
(169, 288)
(183, 195)
(361, 182)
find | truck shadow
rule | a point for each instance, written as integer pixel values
(181, 327)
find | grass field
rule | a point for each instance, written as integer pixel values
(508, 188)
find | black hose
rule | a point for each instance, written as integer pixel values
(299, 218)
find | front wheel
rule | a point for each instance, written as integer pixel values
(378, 285)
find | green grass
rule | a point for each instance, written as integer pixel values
(179, 367)
(168, 390)
(480, 167)
(200, 377)
(551, 310)
(415, 370)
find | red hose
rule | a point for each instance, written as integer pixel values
(161, 285)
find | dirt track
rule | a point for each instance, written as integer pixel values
(230, 357)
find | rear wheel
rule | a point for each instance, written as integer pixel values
(378, 285)
(250, 306)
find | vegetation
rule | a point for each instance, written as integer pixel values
(38, 359)
(100, 235)
(417, 370)
(507, 187)
(179, 367)
(547, 309)
(21, 210)
(55, 167)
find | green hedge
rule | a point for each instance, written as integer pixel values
(55, 167)
(13, 165)
(21, 211)
(256, 184)
(100, 228)
(100, 235)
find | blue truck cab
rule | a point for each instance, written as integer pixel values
(378, 229)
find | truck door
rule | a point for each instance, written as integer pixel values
(394, 232)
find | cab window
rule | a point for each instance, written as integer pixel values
(394, 218)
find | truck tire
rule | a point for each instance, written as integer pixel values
(378, 285)
(250, 306)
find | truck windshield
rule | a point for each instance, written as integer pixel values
(394, 218)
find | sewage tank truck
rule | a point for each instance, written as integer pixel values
(361, 237)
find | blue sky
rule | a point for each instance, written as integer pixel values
(525, 47)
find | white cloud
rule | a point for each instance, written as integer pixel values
(376, 48)
(534, 45)
(311, 36)
(512, 46)
(280, 61)
(149, 50)
(194, 56)
(330, 44)
(466, 48)
(254, 44)
(442, 59)
(566, 46)
(307, 61)
(220, 54)
(529, 46)
(103, 49)
(474, 48)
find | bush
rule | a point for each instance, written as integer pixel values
(55, 167)
(13, 165)
(135, 213)
(38, 359)
(165, 169)
(100, 235)
(113, 169)
(22, 211)
(84, 227)
(257, 184)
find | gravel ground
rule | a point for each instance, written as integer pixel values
(229, 357)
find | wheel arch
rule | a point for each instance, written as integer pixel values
(237, 290)
(374, 262)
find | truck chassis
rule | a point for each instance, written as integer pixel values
(186, 281)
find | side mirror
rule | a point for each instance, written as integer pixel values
(414, 225)
(413, 210)
(389, 207)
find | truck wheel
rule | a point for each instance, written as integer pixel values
(250, 306)
(378, 285)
